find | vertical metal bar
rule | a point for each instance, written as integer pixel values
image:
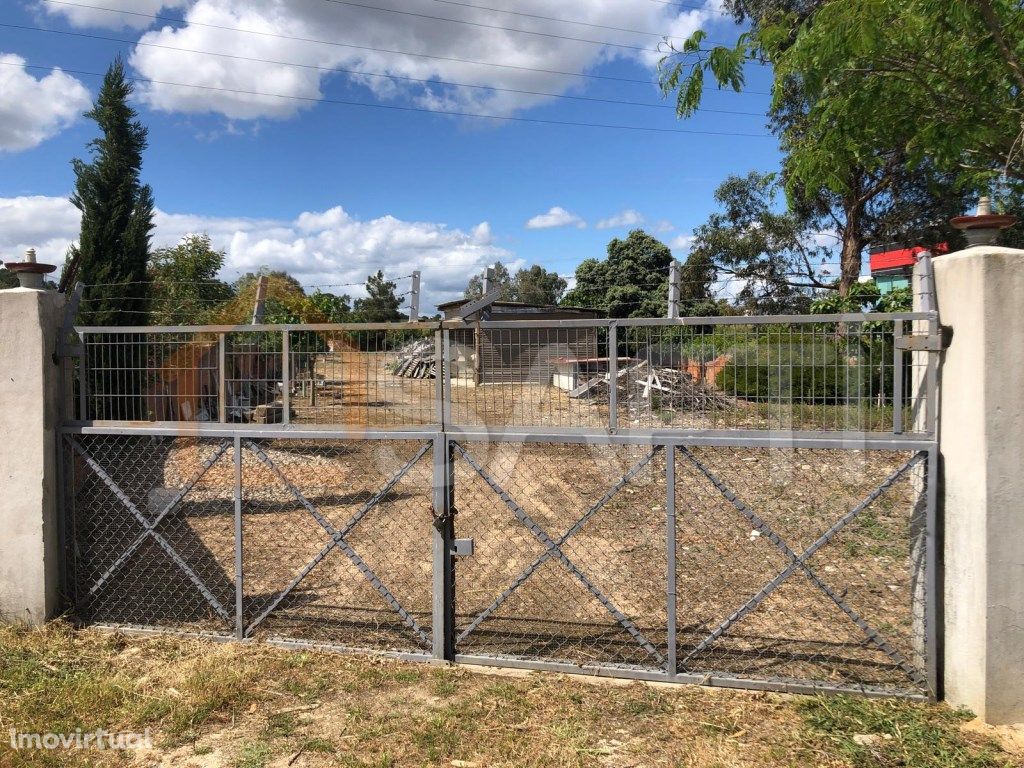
(440, 372)
(613, 376)
(239, 587)
(670, 552)
(446, 383)
(897, 378)
(222, 368)
(63, 538)
(83, 377)
(931, 382)
(286, 378)
(443, 599)
(933, 609)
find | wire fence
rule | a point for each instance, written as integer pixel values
(731, 501)
(789, 568)
(850, 373)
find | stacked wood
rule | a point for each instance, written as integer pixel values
(643, 386)
(416, 361)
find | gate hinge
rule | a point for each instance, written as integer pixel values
(932, 342)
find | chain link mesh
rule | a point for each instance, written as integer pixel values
(334, 549)
(153, 530)
(791, 565)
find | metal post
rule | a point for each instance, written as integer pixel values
(286, 378)
(897, 378)
(673, 289)
(933, 608)
(222, 370)
(83, 378)
(488, 280)
(613, 376)
(670, 552)
(239, 587)
(446, 382)
(414, 298)
(443, 602)
(440, 372)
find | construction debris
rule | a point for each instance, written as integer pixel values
(641, 386)
(417, 360)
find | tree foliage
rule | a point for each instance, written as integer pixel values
(117, 209)
(631, 282)
(921, 79)
(184, 285)
(532, 285)
(381, 305)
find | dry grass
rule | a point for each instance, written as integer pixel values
(211, 704)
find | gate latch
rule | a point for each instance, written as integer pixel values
(462, 547)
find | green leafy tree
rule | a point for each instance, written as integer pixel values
(7, 279)
(502, 278)
(185, 288)
(915, 79)
(117, 209)
(381, 304)
(335, 309)
(536, 285)
(887, 195)
(277, 277)
(631, 282)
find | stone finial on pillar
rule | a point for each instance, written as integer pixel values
(983, 227)
(30, 272)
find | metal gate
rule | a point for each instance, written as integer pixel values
(745, 502)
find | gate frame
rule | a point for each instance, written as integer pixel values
(443, 434)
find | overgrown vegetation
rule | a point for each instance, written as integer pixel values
(253, 706)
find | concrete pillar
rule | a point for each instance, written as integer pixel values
(980, 295)
(29, 387)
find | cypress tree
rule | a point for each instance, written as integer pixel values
(117, 209)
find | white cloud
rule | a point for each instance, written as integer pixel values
(664, 226)
(626, 218)
(450, 43)
(80, 16)
(32, 110)
(317, 247)
(48, 224)
(556, 217)
(682, 242)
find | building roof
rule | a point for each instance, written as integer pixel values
(519, 307)
(898, 256)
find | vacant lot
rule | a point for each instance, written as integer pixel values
(210, 704)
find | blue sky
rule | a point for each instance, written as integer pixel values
(330, 191)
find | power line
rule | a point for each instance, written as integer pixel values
(402, 108)
(172, 20)
(427, 81)
(572, 21)
(482, 25)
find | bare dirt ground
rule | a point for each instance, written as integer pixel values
(215, 705)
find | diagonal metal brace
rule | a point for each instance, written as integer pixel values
(151, 526)
(548, 554)
(345, 547)
(335, 540)
(164, 544)
(546, 540)
(799, 562)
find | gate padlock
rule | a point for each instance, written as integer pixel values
(462, 547)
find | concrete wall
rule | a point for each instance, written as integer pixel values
(29, 385)
(980, 295)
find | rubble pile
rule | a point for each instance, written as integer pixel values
(641, 386)
(417, 360)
